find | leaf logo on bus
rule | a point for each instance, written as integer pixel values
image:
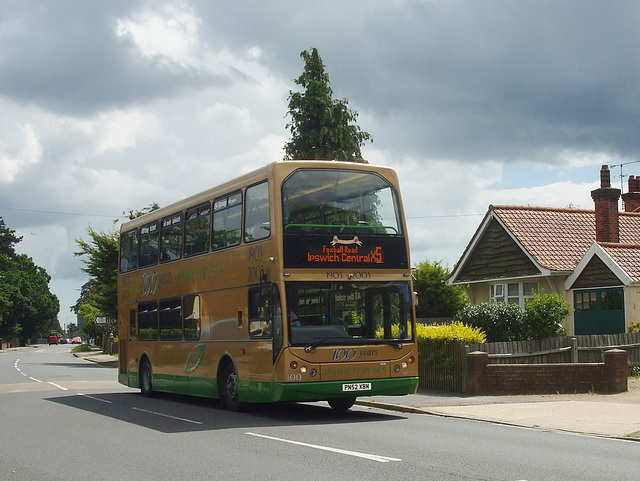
(194, 359)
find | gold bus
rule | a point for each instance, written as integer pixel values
(290, 283)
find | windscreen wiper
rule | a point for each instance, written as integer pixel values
(312, 346)
(394, 342)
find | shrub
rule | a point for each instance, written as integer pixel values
(634, 327)
(543, 316)
(82, 348)
(500, 321)
(456, 331)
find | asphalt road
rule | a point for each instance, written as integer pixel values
(63, 418)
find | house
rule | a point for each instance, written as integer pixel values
(589, 257)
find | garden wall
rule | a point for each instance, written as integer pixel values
(501, 379)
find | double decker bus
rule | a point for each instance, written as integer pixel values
(290, 283)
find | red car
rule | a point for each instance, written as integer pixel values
(53, 340)
(76, 340)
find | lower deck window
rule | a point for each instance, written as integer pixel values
(171, 320)
(148, 321)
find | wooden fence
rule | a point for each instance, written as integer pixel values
(442, 366)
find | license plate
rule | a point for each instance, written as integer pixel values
(356, 386)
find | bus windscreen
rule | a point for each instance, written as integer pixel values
(348, 312)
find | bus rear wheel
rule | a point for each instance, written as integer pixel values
(342, 404)
(146, 382)
(229, 388)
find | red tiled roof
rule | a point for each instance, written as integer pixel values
(627, 256)
(629, 223)
(557, 239)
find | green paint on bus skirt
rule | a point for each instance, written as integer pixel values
(266, 392)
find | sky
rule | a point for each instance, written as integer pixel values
(111, 106)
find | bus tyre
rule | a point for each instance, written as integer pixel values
(229, 388)
(146, 383)
(342, 404)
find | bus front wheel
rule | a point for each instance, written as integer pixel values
(342, 404)
(229, 388)
(146, 382)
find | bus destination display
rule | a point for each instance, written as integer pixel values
(371, 252)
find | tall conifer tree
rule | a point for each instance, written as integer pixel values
(321, 128)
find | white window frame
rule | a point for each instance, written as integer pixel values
(505, 292)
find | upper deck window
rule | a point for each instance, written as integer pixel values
(148, 245)
(171, 238)
(317, 200)
(197, 229)
(227, 220)
(129, 250)
(257, 224)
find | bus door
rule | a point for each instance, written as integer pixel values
(128, 355)
(265, 324)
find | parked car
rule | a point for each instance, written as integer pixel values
(63, 340)
(76, 340)
(53, 340)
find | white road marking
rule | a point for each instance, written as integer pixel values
(95, 398)
(34, 379)
(167, 416)
(372, 457)
(57, 385)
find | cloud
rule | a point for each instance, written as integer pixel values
(27, 152)
(72, 58)
(110, 106)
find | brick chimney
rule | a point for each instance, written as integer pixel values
(606, 202)
(632, 198)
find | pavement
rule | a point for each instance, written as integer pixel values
(99, 357)
(607, 415)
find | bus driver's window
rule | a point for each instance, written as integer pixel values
(260, 311)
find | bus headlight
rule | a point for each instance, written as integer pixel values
(313, 373)
(303, 369)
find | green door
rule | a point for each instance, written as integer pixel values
(599, 311)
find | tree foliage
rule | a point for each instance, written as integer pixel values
(8, 240)
(435, 297)
(27, 308)
(99, 296)
(101, 263)
(321, 128)
(134, 214)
